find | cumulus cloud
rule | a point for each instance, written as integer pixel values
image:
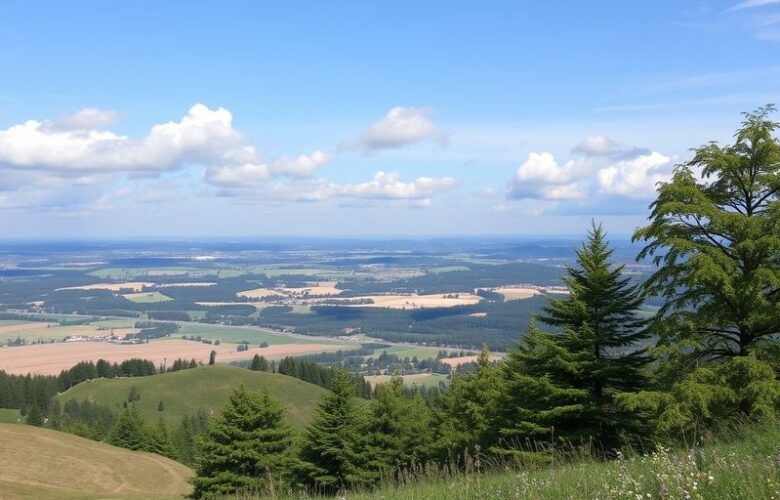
(635, 178)
(385, 187)
(598, 144)
(389, 186)
(400, 127)
(79, 144)
(541, 177)
(604, 171)
(251, 173)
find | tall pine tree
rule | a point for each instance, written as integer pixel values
(329, 456)
(245, 447)
(561, 385)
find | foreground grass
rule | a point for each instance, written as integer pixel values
(747, 469)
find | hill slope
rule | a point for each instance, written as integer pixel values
(41, 463)
(205, 388)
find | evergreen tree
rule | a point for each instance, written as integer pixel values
(328, 454)
(245, 445)
(397, 432)
(468, 411)
(715, 233)
(562, 385)
(160, 441)
(35, 416)
(184, 442)
(259, 364)
(128, 431)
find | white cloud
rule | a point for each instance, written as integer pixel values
(635, 178)
(598, 144)
(398, 128)
(249, 173)
(748, 4)
(86, 119)
(202, 136)
(388, 186)
(592, 179)
(541, 177)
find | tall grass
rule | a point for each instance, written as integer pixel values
(747, 468)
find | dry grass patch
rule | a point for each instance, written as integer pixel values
(463, 360)
(326, 289)
(516, 293)
(418, 301)
(135, 286)
(41, 463)
(51, 359)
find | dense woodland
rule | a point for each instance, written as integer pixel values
(593, 376)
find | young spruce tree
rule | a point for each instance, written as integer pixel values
(329, 458)
(562, 385)
(245, 447)
(128, 431)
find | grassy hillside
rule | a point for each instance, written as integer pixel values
(747, 469)
(40, 463)
(205, 388)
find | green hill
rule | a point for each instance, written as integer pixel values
(205, 388)
(41, 463)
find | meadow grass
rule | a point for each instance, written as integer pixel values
(204, 388)
(10, 416)
(743, 469)
(254, 336)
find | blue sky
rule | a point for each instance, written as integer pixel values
(364, 118)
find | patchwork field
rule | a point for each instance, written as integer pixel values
(418, 379)
(146, 297)
(455, 362)
(121, 272)
(205, 388)
(45, 464)
(135, 286)
(237, 334)
(419, 301)
(317, 290)
(35, 331)
(50, 359)
(512, 293)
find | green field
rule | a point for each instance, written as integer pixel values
(45, 464)
(320, 273)
(9, 416)
(119, 272)
(11, 322)
(236, 334)
(205, 388)
(418, 379)
(146, 297)
(58, 333)
(446, 269)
